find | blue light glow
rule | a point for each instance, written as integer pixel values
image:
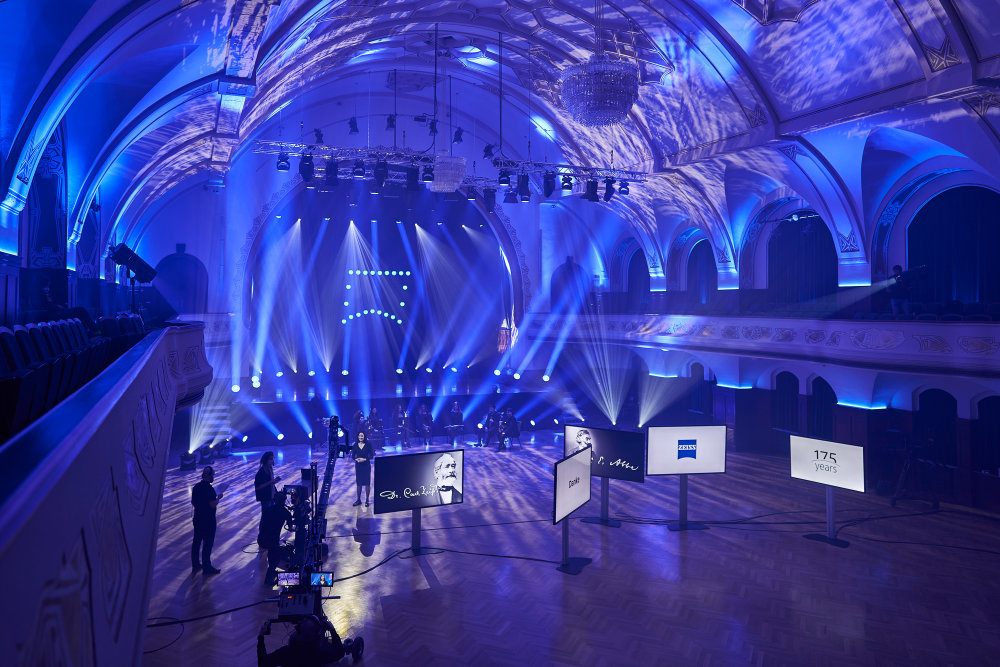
(861, 406)
(733, 386)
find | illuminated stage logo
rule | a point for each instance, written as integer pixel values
(687, 449)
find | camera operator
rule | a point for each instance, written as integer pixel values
(276, 517)
(300, 518)
(315, 642)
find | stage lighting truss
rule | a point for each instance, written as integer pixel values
(399, 160)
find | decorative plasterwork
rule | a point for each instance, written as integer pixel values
(949, 348)
(767, 12)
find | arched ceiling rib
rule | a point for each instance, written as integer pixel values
(720, 77)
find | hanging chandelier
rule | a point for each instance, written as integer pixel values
(601, 91)
(449, 172)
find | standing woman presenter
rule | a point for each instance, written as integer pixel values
(363, 453)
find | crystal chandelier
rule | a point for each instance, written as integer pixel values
(449, 172)
(601, 91)
(604, 89)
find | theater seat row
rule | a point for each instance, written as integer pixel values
(41, 364)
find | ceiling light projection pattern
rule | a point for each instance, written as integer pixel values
(325, 299)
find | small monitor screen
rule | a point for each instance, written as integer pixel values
(288, 578)
(412, 481)
(686, 450)
(321, 579)
(617, 454)
(572, 484)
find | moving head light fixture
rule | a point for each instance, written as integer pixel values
(306, 167)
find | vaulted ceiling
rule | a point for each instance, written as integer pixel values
(742, 101)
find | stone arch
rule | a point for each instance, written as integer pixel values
(753, 245)
(905, 199)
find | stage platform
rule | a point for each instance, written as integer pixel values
(914, 587)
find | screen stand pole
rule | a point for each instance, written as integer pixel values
(831, 532)
(415, 534)
(603, 520)
(570, 565)
(682, 523)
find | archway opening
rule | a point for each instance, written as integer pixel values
(702, 277)
(801, 261)
(821, 409)
(955, 235)
(786, 402)
(637, 300)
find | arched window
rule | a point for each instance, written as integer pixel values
(701, 390)
(801, 260)
(183, 281)
(821, 409)
(702, 276)
(956, 235)
(786, 402)
(934, 427)
(638, 283)
(986, 438)
(569, 287)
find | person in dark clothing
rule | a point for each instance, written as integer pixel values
(309, 646)
(491, 425)
(263, 486)
(425, 422)
(276, 517)
(508, 429)
(899, 291)
(456, 421)
(363, 453)
(205, 499)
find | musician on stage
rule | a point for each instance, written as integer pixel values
(399, 420)
(375, 427)
(455, 422)
(508, 429)
(425, 423)
(360, 423)
(491, 427)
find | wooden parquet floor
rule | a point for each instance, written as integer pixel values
(915, 587)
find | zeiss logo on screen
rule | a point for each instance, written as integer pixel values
(687, 449)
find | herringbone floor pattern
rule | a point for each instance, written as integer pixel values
(913, 588)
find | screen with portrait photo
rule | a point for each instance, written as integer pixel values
(617, 454)
(686, 450)
(830, 463)
(412, 481)
(572, 484)
(321, 579)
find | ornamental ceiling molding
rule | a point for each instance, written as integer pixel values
(769, 12)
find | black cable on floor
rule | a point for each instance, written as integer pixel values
(171, 642)
(212, 615)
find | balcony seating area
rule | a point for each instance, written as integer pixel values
(43, 363)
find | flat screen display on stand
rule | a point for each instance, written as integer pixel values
(616, 454)
(830, 463)
(413, 481)
(572, 484)
(686, 450)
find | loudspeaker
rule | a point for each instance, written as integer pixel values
(122, 254)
